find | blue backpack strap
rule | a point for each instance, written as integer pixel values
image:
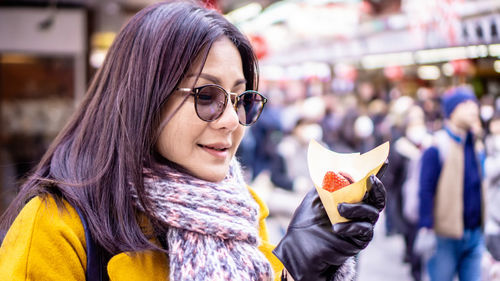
(97, 257)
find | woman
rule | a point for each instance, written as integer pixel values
(148, 162)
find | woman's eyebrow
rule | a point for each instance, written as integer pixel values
(217, 81)
(210, 78)
(239, 82)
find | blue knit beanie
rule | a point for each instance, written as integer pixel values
(455, 97)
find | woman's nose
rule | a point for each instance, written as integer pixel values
(229, 118)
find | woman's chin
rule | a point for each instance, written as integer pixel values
(213, 175)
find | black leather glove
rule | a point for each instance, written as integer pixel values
(313, 250)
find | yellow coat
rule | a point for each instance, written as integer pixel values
(46, 243)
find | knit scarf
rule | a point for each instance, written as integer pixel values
(212, 227)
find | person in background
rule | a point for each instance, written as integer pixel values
(451, 193)
(397, 120)
(289, 169)
(146, 168)
(289, 174)
(407, 153)
(267, 134)
(492, 176)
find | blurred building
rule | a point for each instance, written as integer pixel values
(49, 51)
(403, 43)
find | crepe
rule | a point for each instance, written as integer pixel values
(359, 166)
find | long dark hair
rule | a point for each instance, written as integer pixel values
(110, 139)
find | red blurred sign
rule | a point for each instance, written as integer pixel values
(394, 73)
(259, 45)
(462, 67)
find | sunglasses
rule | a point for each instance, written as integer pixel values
(210, 102)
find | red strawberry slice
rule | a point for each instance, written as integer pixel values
(333, 181)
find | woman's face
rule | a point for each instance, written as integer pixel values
(205, 148)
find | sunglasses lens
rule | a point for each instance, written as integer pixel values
(250, 105)
(210, 103)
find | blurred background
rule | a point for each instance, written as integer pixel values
(351, 74)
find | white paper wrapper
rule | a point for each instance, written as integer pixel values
(359, 166)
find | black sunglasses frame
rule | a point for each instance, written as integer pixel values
(235, 98)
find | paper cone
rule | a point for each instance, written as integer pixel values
(359, 166)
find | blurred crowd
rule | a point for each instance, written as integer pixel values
(274, 152)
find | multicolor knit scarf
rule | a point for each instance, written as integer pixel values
(212, 227)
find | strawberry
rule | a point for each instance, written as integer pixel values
(333, 181)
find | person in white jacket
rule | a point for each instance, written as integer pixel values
(492, 176)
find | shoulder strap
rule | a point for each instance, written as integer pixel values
(97, 257)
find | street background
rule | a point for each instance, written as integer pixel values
(350, 74)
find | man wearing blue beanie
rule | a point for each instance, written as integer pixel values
(451, 193)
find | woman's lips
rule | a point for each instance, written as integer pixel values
(218, 151)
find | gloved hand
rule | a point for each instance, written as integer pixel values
(313, 250)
